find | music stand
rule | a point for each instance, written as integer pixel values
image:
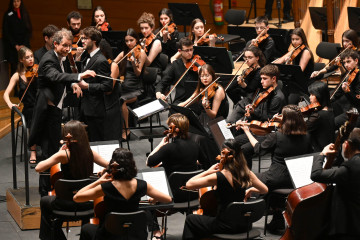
(185, 13)
(217, 57)
(116, 39)
(218, 129)
(318, 17)
(296, 77)
(354, 18)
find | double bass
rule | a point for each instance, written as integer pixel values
(308, 207)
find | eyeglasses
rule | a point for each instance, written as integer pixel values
(188, 50)
(205, 76)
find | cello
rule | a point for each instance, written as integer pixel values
(307, 208)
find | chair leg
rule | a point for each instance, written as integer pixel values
(67, 229)
(259, 165)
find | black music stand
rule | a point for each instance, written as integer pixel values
(319, 20)
(354, 18)
(185, 13)
(252, 5)
(217, 57)
(217, 132)
(116, 39)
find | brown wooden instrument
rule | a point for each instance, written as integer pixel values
(349, 77)
(30, 75)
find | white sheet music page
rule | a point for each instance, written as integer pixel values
(224, 130)
(148, 108)
(300, 170)
(157, 179)
(105, 151)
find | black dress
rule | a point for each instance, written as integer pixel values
(132, 86)
(169, 47)
(200, 226)
(29, 98)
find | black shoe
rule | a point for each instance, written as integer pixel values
(277, 224)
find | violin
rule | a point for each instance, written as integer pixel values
(195, 63)
(310, 108)
(349, 78)
(170, 29)
(205, 93)
(73, 66)
(146, 41)
(171, 132)
(295, 52)
(103, 27)
(259, 39)
(208, 94)
(261, 128)
(206, 39)
(261, 97)
(235, 75)
(136, 53)
(30, 74)
(246, 73)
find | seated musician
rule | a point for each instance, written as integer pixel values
(303, 57)
(347, 95)
(48, 33)
(99, 19)
(231, 183)
(249, 80)
(349, 40)
(344, 212)
(74, 23)
(121, 191)
(77, 160)
(175, 70)
(131, 68)
(290, 140)
(263, 40)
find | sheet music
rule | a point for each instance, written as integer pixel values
(105, 151)
(300, 170)
(224, 130)
(157, 179)
(148, 108)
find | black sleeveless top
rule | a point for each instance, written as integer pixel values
(309, 67)
(29, 98)
(156, 63)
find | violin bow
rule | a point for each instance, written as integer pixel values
(228, 85)
(257, 38)
(125, 55)
(189, 103)
(337, 56)
(202, 36)
(292, 51)
(161, 29)
(338, 86)
(32, 78)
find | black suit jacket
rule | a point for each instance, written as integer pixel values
(38, 54)
(92, 102)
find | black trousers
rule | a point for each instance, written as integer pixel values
(45, 223)
(286, 8)
(95, 128)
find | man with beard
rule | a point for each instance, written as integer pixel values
(92, 106)
(74, 23)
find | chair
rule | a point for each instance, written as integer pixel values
(65, 190)
(234, 17)
(327, 50)
(247, 212)
(132, 225)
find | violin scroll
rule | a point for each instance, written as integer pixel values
(171, 132)
(224, 158)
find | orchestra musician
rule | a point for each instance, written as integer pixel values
(121, 191)
(77, 160)
(28, 89)
(48, 33)
(344, 211)
(99, 19)
(174, 71)
(131, 68)
(234, 183)
(54, 77)
(92, 107)
(74, 23)
(249, 80)
(290, 140)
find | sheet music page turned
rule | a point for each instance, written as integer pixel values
(224, 130)
(148, 108)
(105, 151)
(300, 170)
(157, 179)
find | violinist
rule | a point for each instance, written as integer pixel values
(74, 23)
(26, 83)
(245, 85)
(349, 40)
(347, 94)
(99, 20)
(290, 140)
(234, 183)
(131, 69)
(48, 33)
(174, 71)
(77, 160)
(344, 212)
(263, 40)
(121, 191)
(170, 35)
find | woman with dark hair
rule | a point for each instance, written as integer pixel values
(321, 122)
(231, 183)
(99, 19)
(131, 69)
(168, 41)
(249, 80)
(121, 191)
(17, 30)
(77, 160)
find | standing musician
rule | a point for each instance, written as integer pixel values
(26, 76)
(345, 207)
(99, 20)
(347, 94)
(264, 41)
(290, 140)
(174, 71)
(54, 78)
(76, 159)
(249, 80)
(231, 186)
(48, 33)
(74, 23)
(121, 191)
(131, 68)
(349, 40)
(170, 35)
(92, 107)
